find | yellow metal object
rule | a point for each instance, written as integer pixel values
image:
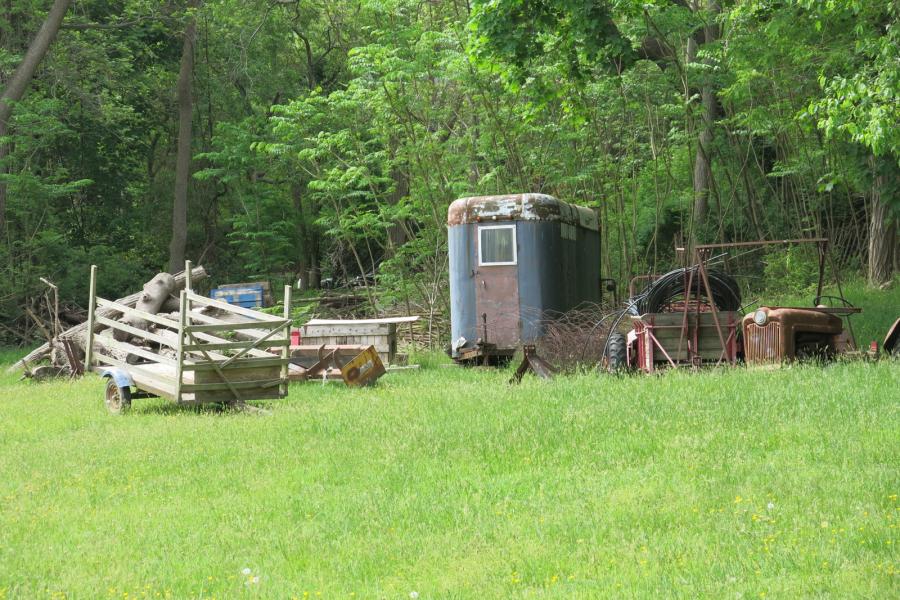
(363, 369)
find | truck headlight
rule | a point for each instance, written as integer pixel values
(760, 317)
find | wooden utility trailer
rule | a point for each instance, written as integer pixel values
(206, 362)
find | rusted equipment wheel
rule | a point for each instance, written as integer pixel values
(616, 353)
(118, 400)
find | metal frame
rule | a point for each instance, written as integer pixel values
(515, 250)
(702, 253)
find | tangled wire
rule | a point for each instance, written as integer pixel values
(572, 338)
(668, 288)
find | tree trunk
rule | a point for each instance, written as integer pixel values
(702, 160)
(183, 159)
(18, 83)
(154, 295)
(397, 231)
(302, 254)
(882, 225)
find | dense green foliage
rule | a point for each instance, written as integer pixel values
(329, 137)
(739, 483)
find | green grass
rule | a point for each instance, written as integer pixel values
(453, 484)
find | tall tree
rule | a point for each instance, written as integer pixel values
(178, 245)
(703, 176)
(18, 83)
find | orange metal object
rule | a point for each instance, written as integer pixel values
(776, 340)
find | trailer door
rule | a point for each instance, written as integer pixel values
(497, 285)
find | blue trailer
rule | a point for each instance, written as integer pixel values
(515, 259)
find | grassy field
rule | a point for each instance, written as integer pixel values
(449, 483)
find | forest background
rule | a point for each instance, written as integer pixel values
(325, 139)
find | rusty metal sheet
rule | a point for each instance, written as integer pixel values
(520, 207)
(776, 340)
(497, 306)
(497, 303)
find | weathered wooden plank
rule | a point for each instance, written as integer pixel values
(92, 307)
(273, 343)
(154, 383)
(240, 310)
(147, 335)
(245, 374)
(285, 350)
(263, 327)
(394, 320)
(284, 342)
(208, 337)
(127, 310)
(334, 330)
(183, 307)
(240, 364)
(380, 344)
(238, 385)
(136, 350)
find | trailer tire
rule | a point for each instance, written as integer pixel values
(616, 353)
(118, 399)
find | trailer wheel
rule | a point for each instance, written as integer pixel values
(616, 353)
(118, 399)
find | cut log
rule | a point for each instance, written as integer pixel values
(156, 292)
(77, 333)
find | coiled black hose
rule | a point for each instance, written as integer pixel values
(726, 294)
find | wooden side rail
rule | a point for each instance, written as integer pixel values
(240, 310)
(127, 310)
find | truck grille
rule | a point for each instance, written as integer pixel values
(763, 344)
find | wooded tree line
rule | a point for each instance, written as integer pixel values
(317, 139)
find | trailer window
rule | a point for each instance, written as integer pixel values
(497, 245)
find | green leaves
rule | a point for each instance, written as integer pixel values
(859, 90)
(579, 34)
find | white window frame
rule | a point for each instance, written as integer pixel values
(515, 250)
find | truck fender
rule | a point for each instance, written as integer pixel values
(120, 376)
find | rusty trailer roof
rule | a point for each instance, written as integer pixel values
(520, 207)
